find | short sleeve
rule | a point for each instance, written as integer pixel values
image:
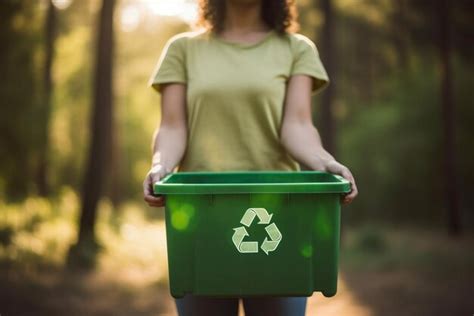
(307, 62)
(171, 65)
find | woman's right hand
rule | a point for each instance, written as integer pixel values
(156, 173)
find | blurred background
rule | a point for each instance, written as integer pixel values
(76, 124)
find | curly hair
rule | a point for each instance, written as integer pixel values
(279, 15)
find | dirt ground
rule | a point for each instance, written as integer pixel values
(390, 294)
(405, 272)
(93, 295)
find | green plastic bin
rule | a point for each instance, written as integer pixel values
(239, 234)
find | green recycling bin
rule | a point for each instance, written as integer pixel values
(252, 233)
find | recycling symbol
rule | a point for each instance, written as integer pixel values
(240, 233)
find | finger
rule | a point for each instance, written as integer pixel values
(154, 177)
(354, 190)
(353, 185)
(348, 197)
(346, 200)
(156, 204)
(347, 175)
(160, 203)
(153, 199)
(351, 189)
(146, 186)
(351, 195)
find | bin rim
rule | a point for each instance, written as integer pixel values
(339, 185)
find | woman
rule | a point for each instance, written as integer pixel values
(237, 96)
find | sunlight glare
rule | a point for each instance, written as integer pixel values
(62, 4)
(185, 9)
(130, 18)
(134, 12)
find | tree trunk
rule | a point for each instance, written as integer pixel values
(448, 111)
(326, 122)
(399, 32)
(114, 183)
(42, 167)
(83, 254)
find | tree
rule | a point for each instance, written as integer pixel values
(83, 253)
(398, 32)
(443, 10)
(19, 97)
(327, 52)
(50, 34)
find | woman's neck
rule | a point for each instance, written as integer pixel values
(243, 17)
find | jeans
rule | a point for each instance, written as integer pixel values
(191, 305)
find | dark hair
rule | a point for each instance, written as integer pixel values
(279, 15)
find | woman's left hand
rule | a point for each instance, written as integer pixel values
(335, 167)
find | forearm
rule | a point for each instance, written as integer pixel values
(168, 146)
(303, 143)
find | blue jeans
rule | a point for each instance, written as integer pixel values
(191, 305)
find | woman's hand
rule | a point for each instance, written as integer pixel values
(155, 174)
(335, 167)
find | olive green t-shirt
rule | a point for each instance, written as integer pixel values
(235, 96)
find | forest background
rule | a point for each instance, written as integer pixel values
(77, 118)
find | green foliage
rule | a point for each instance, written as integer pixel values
(19, 95)
(387, 103)
(464, 142)
(29, 229)
(394, 148)
(129, 245)
(6, 235)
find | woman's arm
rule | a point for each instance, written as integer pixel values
(301, 138)
(169, 140)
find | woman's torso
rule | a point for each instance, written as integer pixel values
(235, 101)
